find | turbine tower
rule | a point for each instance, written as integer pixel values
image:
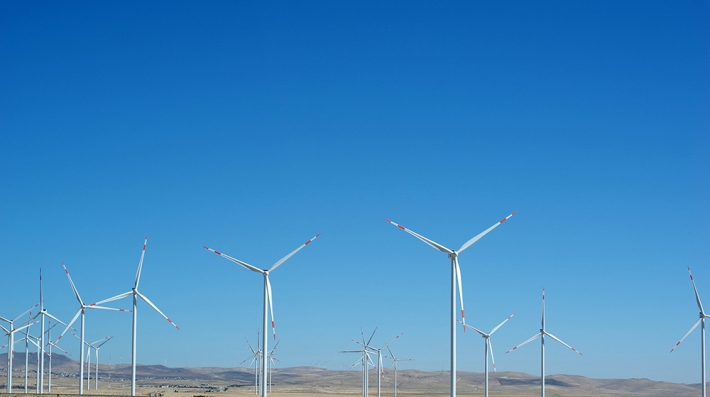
(136, 294)
(489, 347)
(542, 334)
(82, 308)
(700, 321)
(455, 279)
(267, 302)
(394, 364)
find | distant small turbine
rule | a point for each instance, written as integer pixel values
(542, 334)
(489, 347)
(394, 364)
(700, 321)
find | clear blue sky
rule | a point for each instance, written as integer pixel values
(251, 127)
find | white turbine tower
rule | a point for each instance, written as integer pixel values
(394, 364)
(268, 302)
(135, 294)
(489, 347)
(82, 308)
(700, 321)
(542, 334)
(455, 279)
(10, 332)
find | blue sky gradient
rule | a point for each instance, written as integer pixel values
(251, 127)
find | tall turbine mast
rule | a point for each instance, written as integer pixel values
(455, 279)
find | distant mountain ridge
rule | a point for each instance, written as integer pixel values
(314, 379)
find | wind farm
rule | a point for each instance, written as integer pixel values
(244, 128)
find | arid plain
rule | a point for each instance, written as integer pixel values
(161, 381)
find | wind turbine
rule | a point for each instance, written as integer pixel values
(542, 334)
(380, 372)
(82, 308)
(134, 292)
(255, 359)
(272, 359)
(489, 346)
(268, 301)
(455, 278)
(700, 321)
(10, 332)
(43, 314)
(97, 345)
(364, 360)
(394, 363)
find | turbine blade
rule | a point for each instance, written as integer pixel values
(117, 297)
(424, 239)
(140, 263)
(559, 340)
(483, 233)
(474, 329)
(388, 343)
(55, 319)
(237, 261)
(285, 258)
(250, 348)
(23, 313)
(145, 298)
(687, 333)
(697, 297)
(271, 306)
(501, 324)
(524, 343)
(369, 340)
(490, 349)
(69, 325)
(458, 278)
(76, 293)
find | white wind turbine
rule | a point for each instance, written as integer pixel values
(394, 364)
(255, 359)
(455, 279)
(272, 358)
(542, 334)
(364, 361)
(135, 294)
(700, 321)
(82, 308)
(268, 302)
(380, 372)
(489, 346)
(43, 314)
(10, 332)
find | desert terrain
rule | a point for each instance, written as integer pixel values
(161, 381)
